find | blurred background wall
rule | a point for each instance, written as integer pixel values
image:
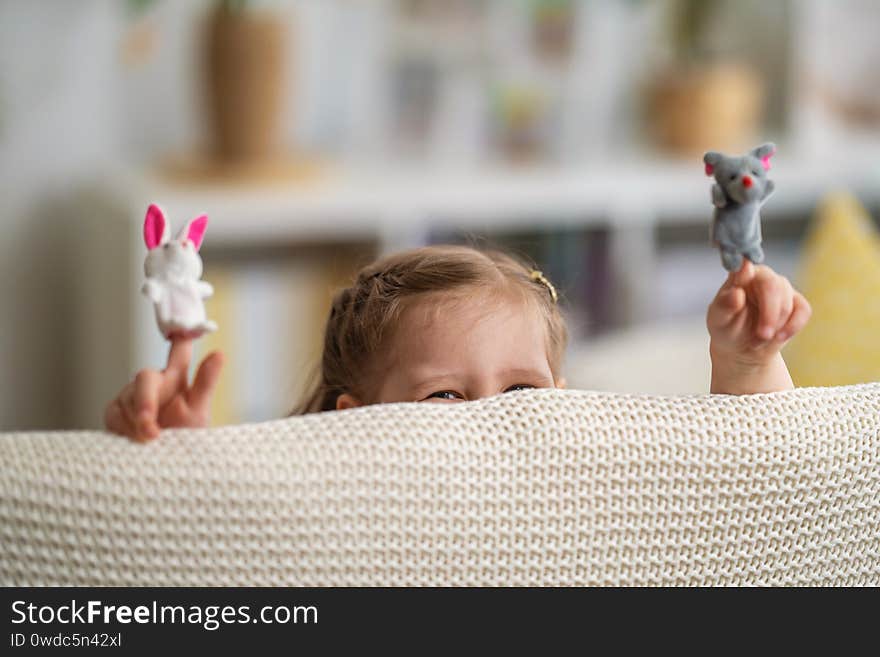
(318, 133)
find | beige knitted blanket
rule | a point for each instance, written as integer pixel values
(531, 488)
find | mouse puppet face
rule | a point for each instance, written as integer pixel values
(743, 179)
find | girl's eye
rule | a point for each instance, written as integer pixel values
(520, 386)
(443, 394)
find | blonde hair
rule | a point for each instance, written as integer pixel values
(364, 315)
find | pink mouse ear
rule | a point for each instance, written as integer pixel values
(195, 230)
(155, 227)
(765, 161)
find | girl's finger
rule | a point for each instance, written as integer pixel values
(126, 401)
(146, 401)
(206, 380)
(727, 304)
(744, 276)
(769, 304)
(175, 374)
(115, 419)
(740, 325)
(177, 413)
(179, 356)
(128, 404)
(786, 304)
(121, 419)
(800, 315)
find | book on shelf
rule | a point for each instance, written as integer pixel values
(271, 318)
(220, 307)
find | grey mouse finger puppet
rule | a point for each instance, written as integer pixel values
(173, 269)
(741, 187)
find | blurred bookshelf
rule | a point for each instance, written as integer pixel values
(524, 125)
(626, 244)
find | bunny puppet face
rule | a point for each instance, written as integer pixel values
(743, 179)
(173, 269)
(176, 259)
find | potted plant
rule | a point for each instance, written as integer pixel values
(702, 100)
(244, 70)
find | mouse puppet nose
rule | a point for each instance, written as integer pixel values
(747, 181)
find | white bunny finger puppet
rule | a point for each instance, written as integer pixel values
(173, 269)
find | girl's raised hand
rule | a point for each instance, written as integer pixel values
(755, 313)
(155, 400)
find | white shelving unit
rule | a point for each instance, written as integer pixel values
(376, 201)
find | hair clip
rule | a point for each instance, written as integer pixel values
(537, 275)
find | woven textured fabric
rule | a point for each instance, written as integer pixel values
(547, 487)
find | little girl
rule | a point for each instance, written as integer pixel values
(446, 324)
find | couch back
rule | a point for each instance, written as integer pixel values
(547, 487)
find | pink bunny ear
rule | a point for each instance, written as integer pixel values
(765, 161)
(195, 230)
(155, 227)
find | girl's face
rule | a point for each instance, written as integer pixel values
(447, 350)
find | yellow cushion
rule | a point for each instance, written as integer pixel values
(840, 276)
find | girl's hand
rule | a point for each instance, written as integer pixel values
(753, 315)
(156, 400)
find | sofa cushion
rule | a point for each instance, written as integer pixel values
(548, 487)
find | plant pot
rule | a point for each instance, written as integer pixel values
(244, 74)
(707, 108)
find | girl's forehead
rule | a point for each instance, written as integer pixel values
(470, 304)
(477, 324)
(467, 332)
